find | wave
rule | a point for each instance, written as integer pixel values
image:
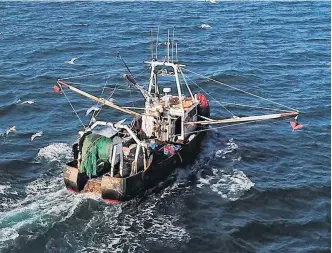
(229, 185)
(55, 152)
(5, 109)
(208, 172)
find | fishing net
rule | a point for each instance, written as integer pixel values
(95, 149)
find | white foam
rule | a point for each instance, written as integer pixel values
(125, 228)
(231, 146)
(229, 185)
(8, 234)
(55, 152)
(3, 188)
(47, 202)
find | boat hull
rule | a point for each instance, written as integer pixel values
(122, 189)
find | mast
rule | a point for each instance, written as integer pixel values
(173, 47)
(151, 44)
(157, 43)
(168, 46)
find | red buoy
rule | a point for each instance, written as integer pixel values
(56, 89)
(295, 126)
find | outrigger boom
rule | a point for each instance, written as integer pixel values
(99, 100)
(246, 119)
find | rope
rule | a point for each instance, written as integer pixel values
(184, 79)
(213, 128)
(72, 106)
(94, 86)
(93, 74)
(102, 92)
(266, 108)
(251, 94)
(212, 97)
(95, 114)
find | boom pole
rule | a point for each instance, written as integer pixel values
(245, 119)
(99, 100)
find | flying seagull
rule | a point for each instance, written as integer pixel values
(36, 135)
(71, 61)
(204, 26)
(11, 129)
(92, 108)
(29, 102)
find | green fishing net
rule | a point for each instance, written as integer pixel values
(95, 149)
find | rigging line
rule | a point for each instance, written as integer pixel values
(184, 79)
(252, 106)
(266, 99)
(213, 128)
(95, 113)
(72, 107)
(107, 99)
(90, 85)
(211, 97)
(93, 74)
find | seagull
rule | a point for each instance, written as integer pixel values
(92, 120)
(11, 129)
(92, 108)
(204, 26)
(71, 61)
(211, 1)
(29, 102)
(36, 135)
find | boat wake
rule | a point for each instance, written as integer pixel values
(130, 226)
(48, 204)
(55, 152)
(227, 182)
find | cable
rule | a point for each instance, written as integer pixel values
(94, 74)
(211, 97)
(271, 101)
(72, 107)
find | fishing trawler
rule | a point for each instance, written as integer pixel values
(118, 160)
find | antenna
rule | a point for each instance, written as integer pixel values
(157, 43)
(173, 47)
(124, 63)
(168, 46)
(151, 44)
(176, 51)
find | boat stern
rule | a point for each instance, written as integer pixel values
(74, 180)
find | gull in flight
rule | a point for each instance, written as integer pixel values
(92, 108)
(11, 129)
(212, 1)
(36, 135)
(205, 26)
(71, 61)
(29, 102)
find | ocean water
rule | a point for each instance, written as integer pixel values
(253, 188)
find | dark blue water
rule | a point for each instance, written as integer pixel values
(253, 188)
